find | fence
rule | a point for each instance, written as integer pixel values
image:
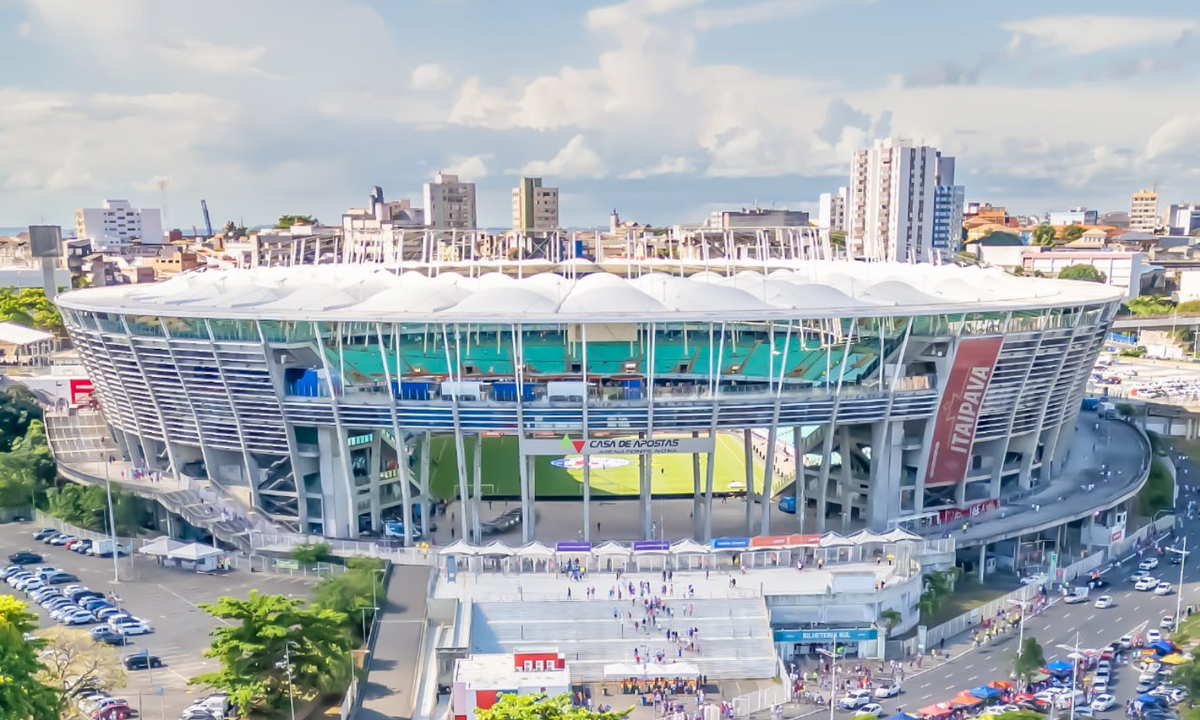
(289, 568)
(764, 699)
(65, 527)
(345, 548)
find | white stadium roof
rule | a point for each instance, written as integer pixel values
(813, 289)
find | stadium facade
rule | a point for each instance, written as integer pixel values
(316, 392)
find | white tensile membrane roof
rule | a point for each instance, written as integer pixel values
(807, 289)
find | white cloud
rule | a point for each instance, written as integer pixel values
(664, 166)
(1180, 134)
(213, 58)
(576, 159)
(24, 30)
(769, 10)
(1087, 34)
(431, 76)
(468, 167)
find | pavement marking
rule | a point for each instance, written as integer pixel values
(1092, 616)
(968, 667)
(926, 697)
(221, 620)
(925, 686)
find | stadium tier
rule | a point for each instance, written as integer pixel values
(345, 398)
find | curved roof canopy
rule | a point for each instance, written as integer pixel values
(815, 289)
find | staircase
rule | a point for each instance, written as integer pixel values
(734, 634)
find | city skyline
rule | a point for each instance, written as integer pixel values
(664, 109)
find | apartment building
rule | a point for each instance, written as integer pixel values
(450, 203)
(948, 202)
(534, 207)
(890, 215)
(1075, 216)
(1143, 211)
(119, 223)
(1182, 219)
(831, 209)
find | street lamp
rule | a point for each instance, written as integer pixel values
(364, 610)
(287, 665)
(1182, 553)
(1021, 602)
(833, 678)
(1075, 650)
(374, 599)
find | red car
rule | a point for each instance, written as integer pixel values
(71, 543)
(113, 712)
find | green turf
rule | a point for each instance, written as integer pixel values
(501, 474)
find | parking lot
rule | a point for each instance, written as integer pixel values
(167, 598)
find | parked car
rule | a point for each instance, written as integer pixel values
(44, 533)
(82, 547)
(24, 557)
(141, 661)
(60, 578)
(61, 540)
(137, 627)
(78, 617)
(1168, 622)
(1103, 702)
(113, 712)
(108, 637)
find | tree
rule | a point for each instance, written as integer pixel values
(1043, 235)
(286, 221)
(18, 408)
(71, 660)
(1149, 305)
(1030, 660)
(1081, 271)
(310, 553)
(251, 649)
(837, 238)
(22, 694)
(357, 588)
(540, 707)
(1188, 307)
(1188, 676)
(29, 306)
(891, 618)
(1073, 233)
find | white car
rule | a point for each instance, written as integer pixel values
(1163, 589)
(1065, 700)
(854, 699)
(1126, 642)
(1146, 583)
(1138, 575)
(1150, 669)
(1077, 597)
(887, 690)
(1104, 601)
(1033, 579)
(1103, 702)
(870, 709)
(140, 627)
(1008, 708)
(78, 617)
(1153, 636)
(1100, 685)
(1148, 564)
(1168, 622)
(1104, 667)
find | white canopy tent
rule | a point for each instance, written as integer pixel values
(497, 549)
(201, 556)
(834, 540)
(901, 535)
(690, 547)
(611, 549)
(535, 549)
(161, 547)
(459, 547)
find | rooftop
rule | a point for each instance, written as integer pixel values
(16, 334)
(652, 292)
(485, 672)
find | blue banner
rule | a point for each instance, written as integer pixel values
(730, 543)
(826, 635)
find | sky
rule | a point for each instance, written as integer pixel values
(662, 109)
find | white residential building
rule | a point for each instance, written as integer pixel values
(119, 223)
(376, 233)
(534, 207)
(890, 215)
(1182, 219)
(450, 203)
(1075, 216)
(831, 209)
(1143, 212)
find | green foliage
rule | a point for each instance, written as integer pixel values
(1188, 307)
(1081, 272)
(891, 618)
(540, 707)
(1134, 352)
(1072, 233)
(17, 410)
(29, 306)
(359, 587)
(939, 585)
(86, 506)
(1029, 660)
(1159, 491)
(22, 694)
(1149, 306)
(837, 238)
(310, 553)
(286, 221)
(1128, 410)
(26, 466)
(251, 648)
(1043, 235)
(1187, 675)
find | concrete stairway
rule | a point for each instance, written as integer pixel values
(734, 634)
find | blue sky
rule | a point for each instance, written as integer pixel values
(663, 109)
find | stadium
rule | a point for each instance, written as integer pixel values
(345, 399)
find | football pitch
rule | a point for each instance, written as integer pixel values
(562, 476)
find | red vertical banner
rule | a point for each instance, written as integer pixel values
(958, 413)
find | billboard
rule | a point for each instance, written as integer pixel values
(958, 413)
(45, 241)
(567, 445)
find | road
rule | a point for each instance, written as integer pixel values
(1061, 624)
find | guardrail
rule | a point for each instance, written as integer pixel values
(353, 701)
(46, 520)
(765, 699)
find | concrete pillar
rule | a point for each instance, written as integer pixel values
(823, 477)
(748, 451)
(982, 561)
(587, 498)
(426, 459)
(768, 482)
(697, 504)
(708, 490)
(798, 488)
(847, 477)
(644, 488)
(476, 501)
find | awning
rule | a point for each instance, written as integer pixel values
(649, 671)
(834, 540)
(986, 692)
(195, 552)
(934, 711)
(459, 547)
(900, 716)
(1174, 659)
(611, 549)
(690, 547)
(497, 549)
(1000, 684)
(162, 547)
(1058, 667)
(535, 549)
(965, 699)
(1163, 647)
(1038, 677)
(1148, 699)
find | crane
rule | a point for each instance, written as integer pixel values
(207, 221)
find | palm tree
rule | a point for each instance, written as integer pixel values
(891, 618)
(928, 604)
